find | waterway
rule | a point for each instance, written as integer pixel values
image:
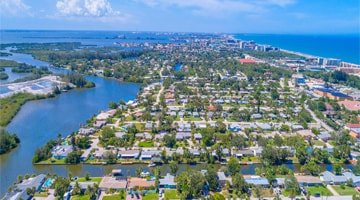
(39, 121)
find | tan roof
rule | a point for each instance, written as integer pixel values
(350, 105)
(111, 182)
(140, 182)
(308, 179)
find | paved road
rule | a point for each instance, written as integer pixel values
(319, 121)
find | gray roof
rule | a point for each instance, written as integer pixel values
(167, 180)
(257, 180)
(62, 150)
(221, 176)
(330, 177)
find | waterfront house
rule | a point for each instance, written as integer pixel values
(167, 182)
(61, 151)
(308, 180)
(110, 182)
(257, 181)
(129, 154)
(148, 155)
(243, 152)
(134, 182)
(99, 124)
(279, 182)
(332, 179)
(83, 185)
(19, 190)
(355, 179)
(86, 131)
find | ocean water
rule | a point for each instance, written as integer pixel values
(344, 47)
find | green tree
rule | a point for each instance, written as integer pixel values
(169, 140)
(212, 179)
(292, 186)
(61, 186)
(76, 189)
(239, 184)
(233, 166)
(173, 167)
(190, 184)
(73, 157)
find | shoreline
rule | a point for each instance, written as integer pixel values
(306, 55)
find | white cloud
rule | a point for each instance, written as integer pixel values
(95, 9)
(13, 7)
(219, 6)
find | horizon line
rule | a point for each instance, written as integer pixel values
(189, 32)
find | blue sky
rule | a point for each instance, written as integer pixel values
(233, 16)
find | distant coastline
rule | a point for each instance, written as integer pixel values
(343, 47)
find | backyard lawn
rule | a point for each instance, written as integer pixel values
(146, 144)
(92, 179)
(345, 191)
(171, 194)
(323, 191)
(151, 196)
(114, 197)
(82, 197)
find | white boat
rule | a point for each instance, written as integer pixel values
(145, 174)
(151, 165)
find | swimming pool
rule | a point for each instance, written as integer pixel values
(47, 184)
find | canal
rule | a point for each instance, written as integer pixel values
(39, 121)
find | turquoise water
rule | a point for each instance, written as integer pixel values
(344, 47)
(48, 183)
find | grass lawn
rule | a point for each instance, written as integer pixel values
(41, 194)
(171, 194)
(249, 159)
(318, 142)
(319, 189)
(82, 197)
(346, 191)
(191, 118)
(92, 179)
(140, 126)
(53, 161)
(287, 194)
(265, 193)
(114, 197)
(146, 144)
(151, 196)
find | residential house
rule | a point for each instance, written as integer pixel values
(61, 151)
(257, 181)
(308, 180)
(332, 179)
(129, 154)
(167, 182)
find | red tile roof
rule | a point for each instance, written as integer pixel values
(247, 60)
(353, 125)
(350, 105)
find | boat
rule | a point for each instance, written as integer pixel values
(144, 174)
(151, 165)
